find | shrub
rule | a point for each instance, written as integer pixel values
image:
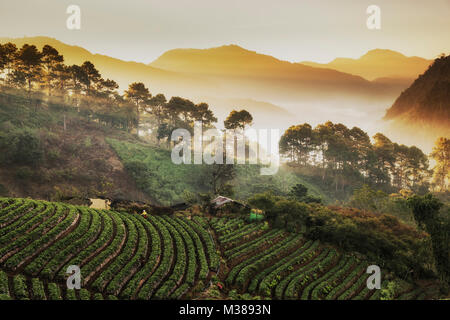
(21, 146)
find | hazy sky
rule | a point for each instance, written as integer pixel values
(293, 30)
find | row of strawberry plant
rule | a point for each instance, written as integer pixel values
(266, 239)
(4, 287)
(239, 248)
(26, 221)
(240, 232)
(286, 266)
(265, 278)
(150, 264)
(179, 265)
(17, 209)
(119, 260)
(73, 244)
(353, 289)
(327, 285)
(5, 202)
(303, 278)
(13, 209)
(163, 268)
(203, 269)
(109, 252)
(230, 227)
(92, 247)
(350, 278)
(244, 275)
(281, 286)
(38, 289)
(236, 269)
(44, 239)
(201, 221)
(130, 265)
(307, 292)
(211, 250)
(25, 234)
(50, 252)
(35, 289)
(190, 248)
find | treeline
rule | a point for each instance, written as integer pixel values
(345, 158)
(83, 87)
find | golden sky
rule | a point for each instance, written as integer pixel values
(293, 30)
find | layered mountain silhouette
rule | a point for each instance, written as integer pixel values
(124, 72)
(266, 77)
(427, 100)
(379, 64)
(232, 77)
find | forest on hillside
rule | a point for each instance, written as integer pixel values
(339, 200)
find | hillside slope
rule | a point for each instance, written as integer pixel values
(425, 105)
(134, 256)
(76, 162)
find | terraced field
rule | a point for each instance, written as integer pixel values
(120, 255)
(128, 256)
(279, 265)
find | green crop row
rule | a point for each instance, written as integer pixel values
(50, 252)
(149, 265)
(204, 269)
(121, 259)
(309, 289)
(326, 286)
(249, 270)
(4, 283)
(240, 232)
(307, 252)
(311, 263)
(303, 278)
(25, 222)
(350, 278)
(179, 265)
(163, 268)
(240, 248)
(43, 238)
(38, 289)
(236, 269)
(347, 294)
(132, 264)
(265, 277)
(93, 266)
(266, 239)
(20, 287)
(75, 244)
(13, 210)
(214, 259)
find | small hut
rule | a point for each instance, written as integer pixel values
(227, 205)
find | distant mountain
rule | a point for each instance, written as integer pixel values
(379, 63)
(427, 100)
(124, 72)
(233, 77)
(232, 60)
(421, 113)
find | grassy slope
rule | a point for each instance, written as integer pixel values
(81, 162)
(75, 162)
(167, 181)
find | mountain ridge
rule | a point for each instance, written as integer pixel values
(372, 65)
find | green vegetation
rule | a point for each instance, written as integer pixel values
(167, 183)
(133, 256)
(114, 249)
